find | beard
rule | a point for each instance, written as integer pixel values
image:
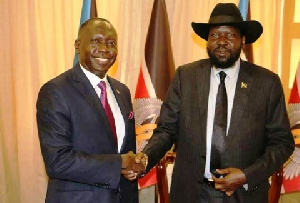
(222, 62)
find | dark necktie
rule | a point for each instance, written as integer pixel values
(106, 106)
(219, 126)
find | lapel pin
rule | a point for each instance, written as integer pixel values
(118, 91)
(244, 85)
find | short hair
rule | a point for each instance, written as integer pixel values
(83, 25)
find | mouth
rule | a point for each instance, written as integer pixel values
(101, 60)
(221, 51)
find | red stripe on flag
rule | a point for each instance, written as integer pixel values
(294, 96)
(141, 89)
(149, 179)
(292, 185)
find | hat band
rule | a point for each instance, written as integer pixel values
(224, 19)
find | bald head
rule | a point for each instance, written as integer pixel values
(96, 46)
(101, 22)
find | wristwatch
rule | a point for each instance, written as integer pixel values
(146, 160)
(145, 164)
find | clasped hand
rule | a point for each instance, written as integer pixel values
(133, 166)
(233, 179)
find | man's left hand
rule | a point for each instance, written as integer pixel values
(232, 179)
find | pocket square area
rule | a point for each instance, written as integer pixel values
(130, 116)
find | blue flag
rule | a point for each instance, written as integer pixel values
(88, 11)
(243, 6)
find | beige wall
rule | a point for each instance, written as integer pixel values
(36, 39)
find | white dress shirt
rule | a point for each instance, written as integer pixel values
(230, 83)
(119, 120)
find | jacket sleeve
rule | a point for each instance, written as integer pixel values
(164, 136)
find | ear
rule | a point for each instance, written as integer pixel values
(76, 45)
(243, 41)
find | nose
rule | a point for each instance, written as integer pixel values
(222, 40)
(102, 47)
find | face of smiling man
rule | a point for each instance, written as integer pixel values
(97, 46)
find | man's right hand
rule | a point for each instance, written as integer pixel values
(131, 169)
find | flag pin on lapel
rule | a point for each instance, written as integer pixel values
(244, 85)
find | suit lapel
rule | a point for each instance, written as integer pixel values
(203, 86)
(83, 85)
(243, 89)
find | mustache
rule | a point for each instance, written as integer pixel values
(222, 48)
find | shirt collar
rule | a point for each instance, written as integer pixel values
(231, 72)
(94, 79)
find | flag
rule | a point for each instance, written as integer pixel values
(156, 71)
(89, 10)
(291, 169)
(244, 6)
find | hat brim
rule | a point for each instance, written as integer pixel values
(250, 29)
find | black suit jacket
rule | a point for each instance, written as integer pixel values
(77, 145)
(259, 138)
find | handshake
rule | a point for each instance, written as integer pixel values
(133, 165)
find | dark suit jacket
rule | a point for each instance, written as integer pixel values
(77, 145)
(259, 138)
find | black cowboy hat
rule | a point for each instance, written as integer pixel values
(229, 14)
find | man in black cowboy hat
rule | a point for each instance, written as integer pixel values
(227, 116)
